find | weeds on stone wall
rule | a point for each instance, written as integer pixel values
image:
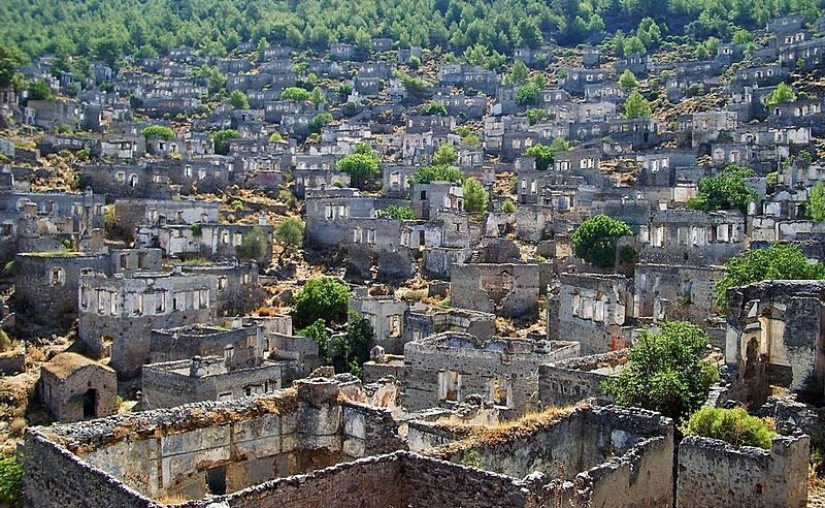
(734, 426)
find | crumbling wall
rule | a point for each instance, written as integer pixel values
(438, 261)
(509, 290)
(712, 473)
(77, 485)
(687, 292)
(592, 310)
(576, 379)
(448, 367)
(774, 336)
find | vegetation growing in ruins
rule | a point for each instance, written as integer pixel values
(11, 482)
(545, 155)
(158, 131)
(290, 235)
(628, 81)
(665, 372)
(636, 106)
(781, 94)
(223, 138)
(362, 165)
(815, 207)
(239, 100)
(734, 426)
(295, 94)
(445, 155)
(595, 240)
(777, 262)
(429, 174)
(323, 298)
(475, 196)
(396, 212)
(725, 191)
(433, 108)
(508, 206)
(345, 352)
(253, 245)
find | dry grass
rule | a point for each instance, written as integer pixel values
(171, 499)
(503, 432)
(17, 426)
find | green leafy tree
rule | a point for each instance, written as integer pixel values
(815, 208)
(276, 137)
(417, 87)
(159, 131)
(433, 108)
(781, 94)
(322, 298)
(527, 95)
(508, 206)
(475, 196)
(295, 94)
(777, 262)
(545, 155)
(628, 81)
(665, 372)
(290, 235)
(429, 174)
(535, 115)
(253, 245)
(445, 155)
(361, 165)
(349, 352)
(239, 100)
(319, 333)
(595, 240)
(636, 106)
(10, 61)
(317, 97)
(222, 139)
(319, 121)
(725, 191)
(40, 91)
(734, 426)
(397, 212)
(518, 75)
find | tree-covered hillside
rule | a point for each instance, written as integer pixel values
(108, 29)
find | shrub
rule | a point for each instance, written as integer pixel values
(508, 206)
(665, 372)
(595, 240)
(734, 426)
(11, 482)
(253, 245)
(323, 298)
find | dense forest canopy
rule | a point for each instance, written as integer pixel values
(109, 29)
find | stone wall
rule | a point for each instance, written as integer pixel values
(446, 368)
(509, 290)
(77, 485)
(687, 292)
(592, 310)
(620, 457)
(569, 381)
(774, 333)
(12, 363)
(46, 285)
(171, 384)
(713, 473)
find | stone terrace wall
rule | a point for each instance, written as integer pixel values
(713, 473)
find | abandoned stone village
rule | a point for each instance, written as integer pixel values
(418, 283)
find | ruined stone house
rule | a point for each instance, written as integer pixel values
(74, 388)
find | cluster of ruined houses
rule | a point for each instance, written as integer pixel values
(401, 437)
